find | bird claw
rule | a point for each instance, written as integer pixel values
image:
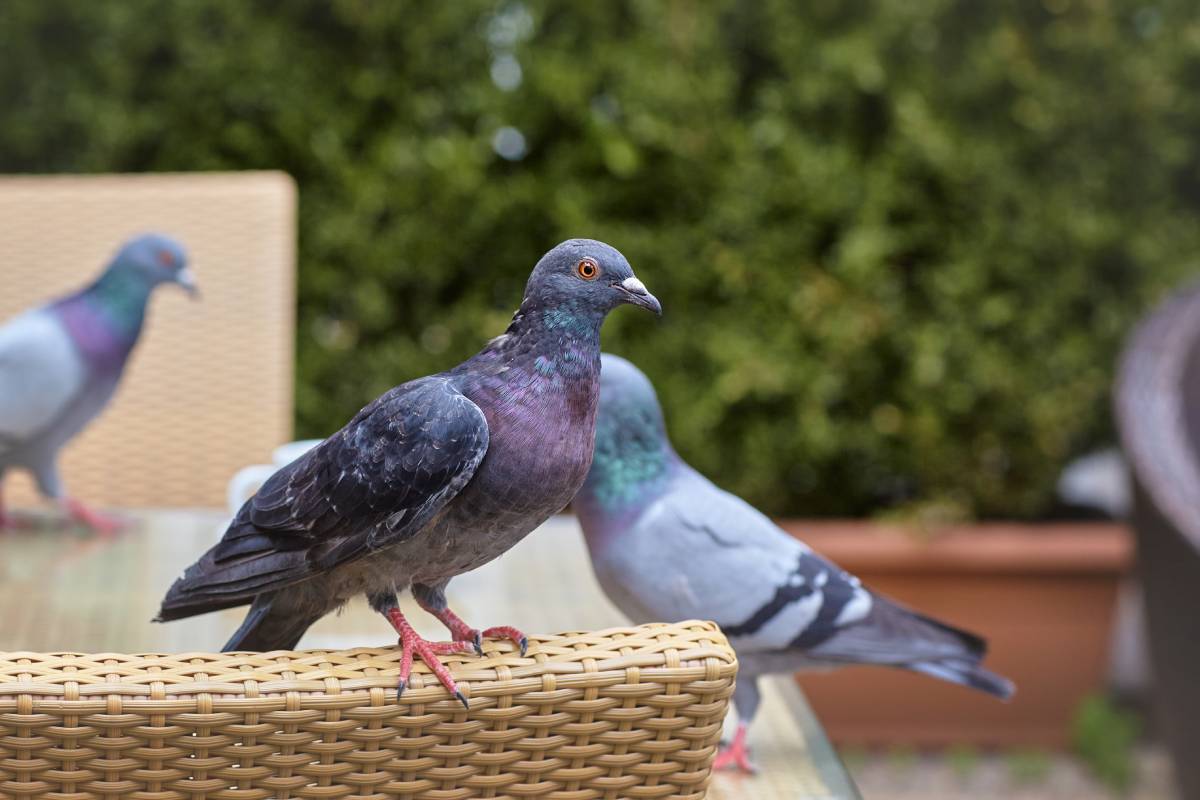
(94, 521)
(412, 645)
(462, 632)
(736, 755)
(505, 632)
(11, 522)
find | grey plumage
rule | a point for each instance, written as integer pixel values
(667, 544)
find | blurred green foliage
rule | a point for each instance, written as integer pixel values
(898, 244)
(1028, 765)
(1105, 736)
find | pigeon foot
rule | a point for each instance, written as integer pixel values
(462, 632)
(736, 755)
(8, 522)
(94, 521)
(514, 635)
(412, 644)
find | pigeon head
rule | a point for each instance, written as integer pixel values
(628, 400)
(153, 259)
(632, 453)
(585, 279)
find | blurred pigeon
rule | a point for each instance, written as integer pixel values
(434, 478)
(666, 544)
(60, 363)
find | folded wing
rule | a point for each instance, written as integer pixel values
(374, 483)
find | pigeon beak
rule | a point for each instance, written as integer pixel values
(635, 293)
(187, 280)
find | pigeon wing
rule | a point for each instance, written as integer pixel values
(374, 483)
(771, 592)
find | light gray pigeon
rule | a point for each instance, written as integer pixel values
(432, 479)
(60, 363)
(667, 544)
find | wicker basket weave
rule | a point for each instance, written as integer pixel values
(627, 712)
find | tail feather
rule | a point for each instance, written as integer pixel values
(895, 636)
(969, 674)
(231, 576)
(270, 625)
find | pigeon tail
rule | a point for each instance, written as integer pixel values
(969, 674)
(270, 625)
(892, 635)
(177, 605)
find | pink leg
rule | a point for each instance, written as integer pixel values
(462, 632)
(94, 520)
(411, 643)
(736, 754)
(8, 521)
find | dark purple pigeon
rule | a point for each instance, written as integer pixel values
(61, 363)
(435, 478)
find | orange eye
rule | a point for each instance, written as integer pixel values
(165, 258)
(588, 269)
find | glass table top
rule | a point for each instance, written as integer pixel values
(62, 590)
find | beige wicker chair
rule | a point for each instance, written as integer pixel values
(209, 388)
(629, 712)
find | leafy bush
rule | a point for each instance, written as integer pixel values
(1104, 736)
(898, 244)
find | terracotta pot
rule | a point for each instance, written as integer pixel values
(1043, 595)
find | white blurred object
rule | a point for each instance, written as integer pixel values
(1098, 480)
(1101, 480)
(247, 480)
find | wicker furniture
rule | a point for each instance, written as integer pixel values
(629, 712)
(1158, 413)
(209, 388)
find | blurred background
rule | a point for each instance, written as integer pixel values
(899, 247)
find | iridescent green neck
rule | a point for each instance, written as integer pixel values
(632, 460)
(122, 294)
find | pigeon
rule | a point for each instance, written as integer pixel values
(60, 364)
(434, 478)
(667, 544)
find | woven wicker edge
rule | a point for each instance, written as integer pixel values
(337, 678)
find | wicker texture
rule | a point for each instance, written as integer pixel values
(209, 388)
(629, 712)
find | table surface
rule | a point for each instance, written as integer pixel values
(65, 591)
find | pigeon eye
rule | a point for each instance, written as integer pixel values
(165, 258)
(588, 269)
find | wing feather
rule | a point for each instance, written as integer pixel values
(372, 484)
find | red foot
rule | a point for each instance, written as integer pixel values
(736, 755)
(514, 635)
(93, 520)
(11, 522)
(411, 643)
(7, 521)
(462, 632)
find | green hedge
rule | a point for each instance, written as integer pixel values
(898, 244)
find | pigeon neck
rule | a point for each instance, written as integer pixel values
(570, 320)
(121, 296)
(560, 341)
(105, 319)
(632, 462)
